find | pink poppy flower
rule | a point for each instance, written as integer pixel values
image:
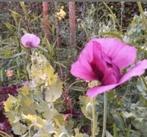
(30, 40)
(104, 59)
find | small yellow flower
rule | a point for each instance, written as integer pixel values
(60, 14)
(93, 83)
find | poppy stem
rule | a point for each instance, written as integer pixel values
(144, 81)
(105, 115)
(94, 118)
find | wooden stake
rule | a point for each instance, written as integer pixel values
(72, 23)
(45, 21)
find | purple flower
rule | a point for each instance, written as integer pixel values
(30, 40)
(105, 59)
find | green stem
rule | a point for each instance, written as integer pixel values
(94, 118)
(144, 21)
(144, 81)
(114, 19)
(105, 115)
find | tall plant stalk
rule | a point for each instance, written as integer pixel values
(94, 118)
(104, 115)
(72, 23)
(45, 21)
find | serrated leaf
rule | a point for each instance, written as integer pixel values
(35, 120)
(28, 105)
(46, 131)
(13, 117)
(19, 129)
(78, 134)
(119, 121)
(10, 103)
(86, 106)
(53, 92)
(24, 90)
(108, 134)
(59, 120)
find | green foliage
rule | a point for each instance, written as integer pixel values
(95, 24)
(38, 109)
(32, 108)
(32, 111)
(126, 111)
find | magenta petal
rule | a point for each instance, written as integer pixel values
(121, 54)
(137, 70)
(82, 70)
(93, 92)
(90, 63)
(111, 76)
(125, 57)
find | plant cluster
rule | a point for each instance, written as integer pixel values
(40, 98)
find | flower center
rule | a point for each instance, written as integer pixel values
(93, 83)
(112, 74)
(29, 43)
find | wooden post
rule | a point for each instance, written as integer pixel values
(45, 21)
(72, 23)
(58, 40)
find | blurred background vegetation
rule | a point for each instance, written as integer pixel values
(63, 35)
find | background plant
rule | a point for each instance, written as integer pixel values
(127, 105)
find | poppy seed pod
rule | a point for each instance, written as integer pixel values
(30, 40)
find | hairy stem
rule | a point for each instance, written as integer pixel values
(94, 118)
(105, 115)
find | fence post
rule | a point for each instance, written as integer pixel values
(45, 21)
(72, 23)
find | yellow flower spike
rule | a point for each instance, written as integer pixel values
(9, 103)
(60, 14)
